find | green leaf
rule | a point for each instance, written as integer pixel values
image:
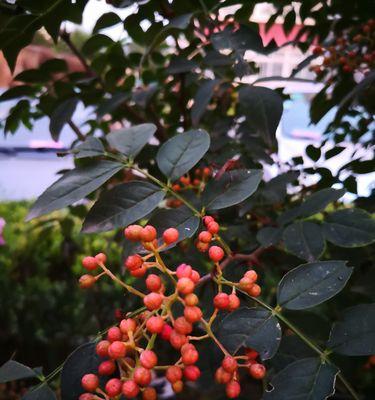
(202, 99)
(334, 152)
(106, 20)
(180, 65)
(91, 147)
(313, 152)
(318, 201)
(263, 108)
(306, 379)
(304, 239)
(269, 236)
(311, 284)
(232, 188)
(17, 92)
(352, 227)
(61, 115)
(43, 392)
(354, 335)
(130, 141)
(180, 218)
(95, 43)
(180, 153)
(13, 370)
(122, 205)
(250, 327)
(74, 185)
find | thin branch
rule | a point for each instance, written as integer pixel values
(77, 131)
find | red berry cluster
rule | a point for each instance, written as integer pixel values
(129, 346)
(353, 50)
(227, 374)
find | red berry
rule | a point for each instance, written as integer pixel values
(187, 347)
(132, 232)
(183, 271)
(318, 50)
(232, 389)
(185, 285)
(192, 373)
(153, 283)
(190, 357)
(133, 262)
(221, 301)
(166, 332)
(86, 281)
(191, 299)
(101, 258)
(89, 263)
(213, 227)
(257, 371)
(102, 348)
(128, 325)
(178, 386)
(148, 233)
(130, 389)
(173, 374)
(117, 350)
(216, 253)
(177, 340)
(251, 275)
(182, 326)
(155, 324)
(149, 394)
(193, 314)
(234, 302)
(202, 247)
(107, 368)
(113, 387)
(195, 276)
(255, 290)
(222, 376)
(347, 68)
(207, 219)
(90, 382)
(206, 172)
(139, 272)
(251, 354)
(153, 301)
(170, 235)
(114, 334)
(142, 376)
(148, 359)
(205, 237)
(246, 284)
(86, 396)
(230, 364)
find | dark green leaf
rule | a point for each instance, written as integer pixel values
(17, 92)
(13, 370)
(263, 108)
(106, 20)
(123, 205)
(144, 95)
(269, 236)
(352, 227)
(107, 106)
(202, 99)
(304, 239)
(91, 147)
(61, 115)
(180, 153)
(73, 186)
(334, 152)
(318, 201)
(43, 392)
(250, 327)
(306, 379)
(313, 152)
(232, 188)
(354, 335)
(130, 141)
(311, 284)
(179, 65)
(180, 22)
(95, 43)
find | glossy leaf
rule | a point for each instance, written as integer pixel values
(269, 236)
(13, 370)
(304, 239)
(74, 185)
(62, 115)
(306, 379)
(354, 334)
(318, 201)
(349, 228)
(232, 188)
(311, 284)
(123, 205)
(250, 327)
(263, 108)
(43, 392)
(91, 147)
(202, 99)
(180, 153)
(130, 141)
(106, 20)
